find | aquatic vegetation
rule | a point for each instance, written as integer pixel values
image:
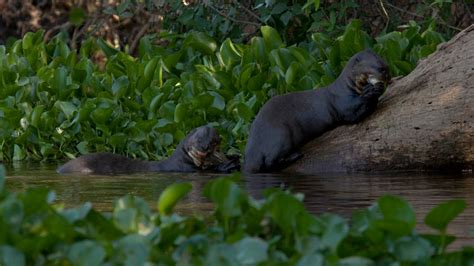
(34, 229)
(56, 102)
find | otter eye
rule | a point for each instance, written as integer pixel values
(382, 70)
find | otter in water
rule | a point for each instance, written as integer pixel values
(198, 151)
(286, 122)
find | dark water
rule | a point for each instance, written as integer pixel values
(341, 194)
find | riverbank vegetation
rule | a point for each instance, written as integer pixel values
(277, 229)
(58, 102)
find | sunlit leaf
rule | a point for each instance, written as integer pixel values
(440, 216)
(171, 195)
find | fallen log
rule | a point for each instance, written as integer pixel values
(424, 121)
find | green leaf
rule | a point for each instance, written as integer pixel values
(201, 42)
(251, 251)
(311, 260)
(413, 249)
(11, 256)
(36, 115)
(86, 252)
(150, 69)
(59, 81)
(257, 45)
(245, 112)
(227, 196)
(106, 48)
(171, 195)
(180, 112)
(68, 108)
(229, 54)
(440, 216)
(291, 73)
(131, 250)
(396, 209)
(120, 86)
(271, 37)
(219, 101)
(336, 230)
(76, 214)
(221, 254)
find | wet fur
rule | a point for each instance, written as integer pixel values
(287, 122)
(198, 151)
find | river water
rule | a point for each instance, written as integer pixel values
(341, 193)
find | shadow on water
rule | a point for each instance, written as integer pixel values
(341, 194)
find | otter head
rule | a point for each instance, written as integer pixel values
(202, 147)
(367, 67)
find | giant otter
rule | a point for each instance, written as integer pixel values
(286, 122)
(198, 151)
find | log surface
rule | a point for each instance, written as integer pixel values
(424, 121)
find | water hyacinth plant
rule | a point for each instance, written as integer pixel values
(241, 230)
(56, 102)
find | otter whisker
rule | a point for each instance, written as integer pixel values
(218, 157)
(193, 153)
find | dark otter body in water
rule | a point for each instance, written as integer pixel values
(198, 151)
(286, 122)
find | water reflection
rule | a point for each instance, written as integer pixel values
(340, 194)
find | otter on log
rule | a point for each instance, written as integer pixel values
(198, 151)
(286, 122)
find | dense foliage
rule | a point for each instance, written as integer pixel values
(56, 102)
(240, 231)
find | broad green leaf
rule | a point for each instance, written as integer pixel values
(59, 81)
(271, 37)
(106, 48)
(120, 86)
(11, 256)
(76, 214)
(412, 249)
(440, 216)
(101, 116)
(171, 195)
(229, 54)
(284, 209)
(311, 260)
(227, 196)
(86, 252)
(257, 45)
(221, 254)
(336, 230)
(131, 250)
(201, 42)
(245, 112)
(68, 108)
(180, 112)
(396, 209)
(218, 102)
(251, 251)
(291, 73)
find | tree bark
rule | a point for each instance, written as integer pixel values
(424, 121)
